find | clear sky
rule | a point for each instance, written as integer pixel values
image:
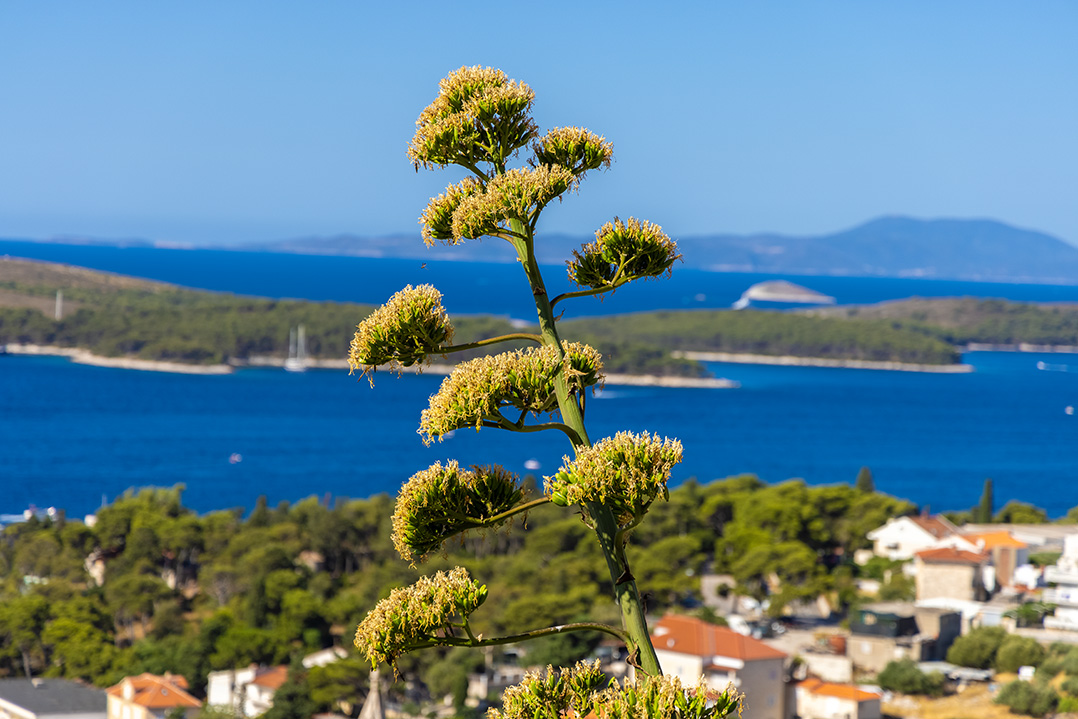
(240, 121)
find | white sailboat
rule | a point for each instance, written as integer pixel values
(297, 350)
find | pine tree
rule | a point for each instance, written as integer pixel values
(982, 514)
(864, 481)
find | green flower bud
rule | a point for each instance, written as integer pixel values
(412, 617)
(627, 250)
(405, 330)
(626, 472)
(441, 502)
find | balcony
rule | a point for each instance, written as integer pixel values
(1061, 575)
(1061, 596)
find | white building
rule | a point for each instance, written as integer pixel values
(1064, 573)
(248, 691)
(902, 537)
(690, 648)
(817, 699)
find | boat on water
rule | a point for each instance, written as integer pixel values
(297, 350)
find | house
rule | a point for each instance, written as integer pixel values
(817, 699)
(902, 537)
(1064, 574)
(50, 699)
(883, 632)
(148, 696)
(690, 648)
(248, 691)
(1008, 553)
(950, 573)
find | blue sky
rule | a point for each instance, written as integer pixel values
(224, 122)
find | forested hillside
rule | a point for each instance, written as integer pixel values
(191, 594)
(965, 320)
(121, 316)
(768, 333)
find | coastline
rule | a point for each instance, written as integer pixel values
(788, 360)
(81, 356)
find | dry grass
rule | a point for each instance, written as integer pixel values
(51, 274)
(973, 703)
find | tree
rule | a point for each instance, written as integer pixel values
(292, 700)
(1016, 651)
(479, 121)
(1015, 512)
(1022, 697)
(977, 648)
(982, 513)
(864, 482)
(905, 676)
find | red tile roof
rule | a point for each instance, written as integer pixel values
(842, 691)
(688, 635)
(935, 525)
(272, 678)
(950, 555)
(156, 692)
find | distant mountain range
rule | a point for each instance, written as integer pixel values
(888, 247)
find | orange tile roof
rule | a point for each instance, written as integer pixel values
(842, 691)
(688, 635)
(272, 678)
(992, 540)
(156, 692)
(950, 555)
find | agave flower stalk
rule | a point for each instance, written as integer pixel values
(480, 120)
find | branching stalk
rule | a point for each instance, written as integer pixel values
(492, 340)
(474, 641)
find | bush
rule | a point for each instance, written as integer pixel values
(1016, 651)
(1070, 662)
(1070, 685)
(905, 677)
(978, 648)
(1025, 698)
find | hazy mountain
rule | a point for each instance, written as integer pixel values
(889, 247)
(897, 247)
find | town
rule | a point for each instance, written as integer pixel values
(812, 602)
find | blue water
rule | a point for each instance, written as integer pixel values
(471, 288)
(71, 434)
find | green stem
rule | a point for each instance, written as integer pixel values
(492, 340)
(489, 521)
(524, 636)
(514, 427)
(637, 637)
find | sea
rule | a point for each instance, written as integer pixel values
(74, 436)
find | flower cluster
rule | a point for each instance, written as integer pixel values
(403, 331)
(437, 219)
(626, 472)
(554, 694)
(479, 389)
(440, 502)
(623, 251)
(479, 116)
(579, 692)
(574, 148)
(518, 194)
(413, 617)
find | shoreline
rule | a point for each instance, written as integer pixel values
(792, 361)
(81, 356)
